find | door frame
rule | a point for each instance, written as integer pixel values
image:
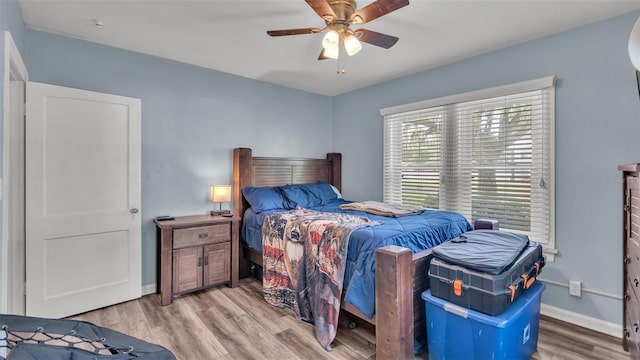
(14, 70)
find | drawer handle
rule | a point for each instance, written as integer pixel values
(199, 261)
(635, 282)
(636, 327)
(627, 260)
(627, 297)
(203, 236)
(206, 260)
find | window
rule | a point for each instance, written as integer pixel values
(484, 154)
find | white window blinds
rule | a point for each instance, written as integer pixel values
(485, 154)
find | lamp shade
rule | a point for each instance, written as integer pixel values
(331, 53)
(331, 40)
(220, 193)
(634, 45)
(352, 45)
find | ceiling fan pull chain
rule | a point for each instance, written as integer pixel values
(342, 58)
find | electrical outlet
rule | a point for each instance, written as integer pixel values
(575, 288)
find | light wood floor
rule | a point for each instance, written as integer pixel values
(225, 323)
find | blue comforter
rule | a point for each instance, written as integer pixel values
(414, 232)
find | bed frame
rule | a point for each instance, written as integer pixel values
(401, 276)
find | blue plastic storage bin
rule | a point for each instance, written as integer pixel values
(455, 332)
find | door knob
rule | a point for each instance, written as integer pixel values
(134, 211)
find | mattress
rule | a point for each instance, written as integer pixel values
(414, 232)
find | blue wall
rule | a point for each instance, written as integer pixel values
(597, 128)
(192, 118)
(10, 20)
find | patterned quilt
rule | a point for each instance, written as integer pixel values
(304, 255)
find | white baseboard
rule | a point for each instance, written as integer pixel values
(584, 321)
(148, 289)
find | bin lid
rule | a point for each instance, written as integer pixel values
(488, 251)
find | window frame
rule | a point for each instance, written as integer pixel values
(448, 105)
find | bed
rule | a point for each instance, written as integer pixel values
(400, 272)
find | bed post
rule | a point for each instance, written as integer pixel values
(394, 294)
(242, 167)
(336, 169)
(242, 160)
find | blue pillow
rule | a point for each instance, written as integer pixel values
(298, 195)
(323, 191)
(308, 195)
(263, 198)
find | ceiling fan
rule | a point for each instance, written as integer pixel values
(338, 16)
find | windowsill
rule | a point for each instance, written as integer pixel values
(549, 254)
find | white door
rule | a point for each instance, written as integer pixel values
(83, 241)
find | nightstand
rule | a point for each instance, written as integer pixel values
(195, 253)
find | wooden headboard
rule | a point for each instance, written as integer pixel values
(272, 171)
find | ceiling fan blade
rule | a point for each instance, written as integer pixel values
(286, 32)
(322, 56)
(322, 8)
(376, 38)
(377, 9)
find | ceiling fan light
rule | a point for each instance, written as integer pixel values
(352, 45)
(332, 53)
(331, 40)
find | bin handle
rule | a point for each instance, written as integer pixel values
(454, 309)
(457, 287)
(513, 289)
(530, 277)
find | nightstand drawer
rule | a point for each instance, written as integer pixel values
(201, 235)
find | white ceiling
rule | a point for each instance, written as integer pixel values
(230, 35)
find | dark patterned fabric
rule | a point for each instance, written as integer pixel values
(304, 254)
(30, 338)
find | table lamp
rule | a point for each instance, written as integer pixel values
(220, 194)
